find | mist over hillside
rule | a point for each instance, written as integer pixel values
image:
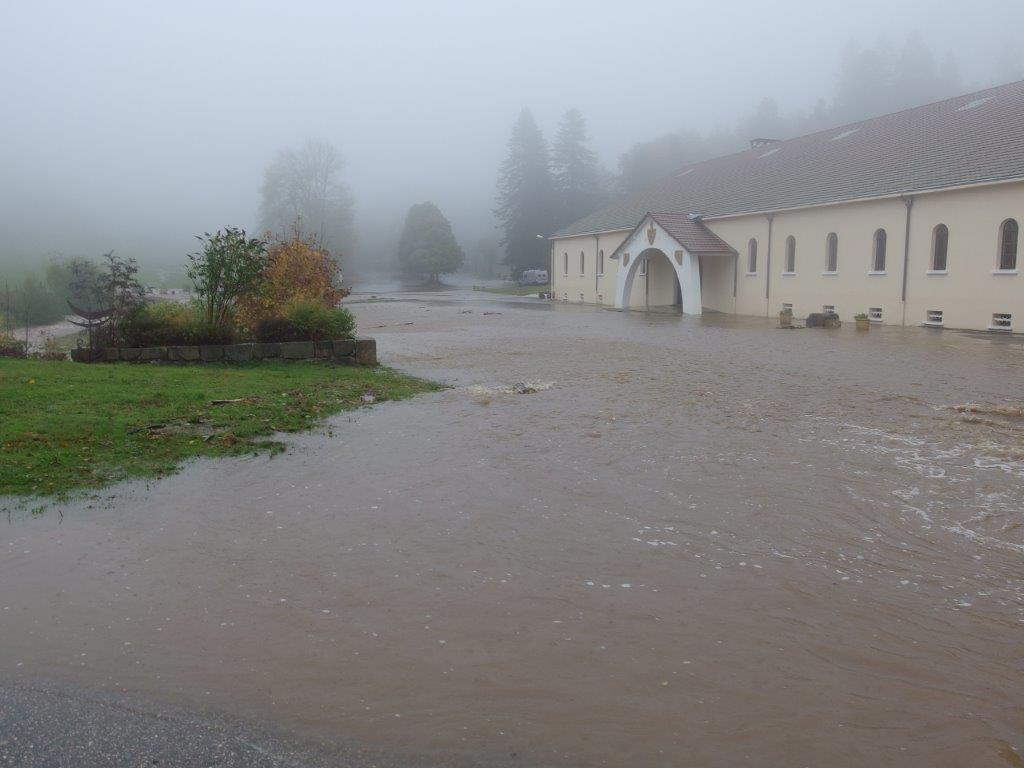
(133, 129)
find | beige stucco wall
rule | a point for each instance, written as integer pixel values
(968, 295)
(594, 288)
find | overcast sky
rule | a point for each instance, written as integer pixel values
(134, 125)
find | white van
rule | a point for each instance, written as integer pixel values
(534, 277)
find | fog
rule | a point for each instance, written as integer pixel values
(133, 126)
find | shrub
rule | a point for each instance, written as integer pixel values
(228, 267)
(320, 322)
(52, 350)
(297, 268)
(305, 320)
(11, 347)
(168, 323)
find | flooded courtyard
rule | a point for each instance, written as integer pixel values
(622, 539)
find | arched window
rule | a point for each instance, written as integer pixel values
(565, 264)
(832, 252)
(1008, 244)
(878, 252)
(791, 254)
(582, 264)
(752, 255)
(940, 247)
(600, 262)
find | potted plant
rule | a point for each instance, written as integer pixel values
(863, 323)
(786, 318)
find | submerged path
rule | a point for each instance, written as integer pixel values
(686, 541)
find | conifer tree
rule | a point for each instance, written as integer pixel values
(526, 199)
(575, 170)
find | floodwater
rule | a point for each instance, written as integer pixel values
(700, 541)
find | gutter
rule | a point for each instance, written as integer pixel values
(891, 196)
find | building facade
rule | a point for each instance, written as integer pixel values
(912, 219)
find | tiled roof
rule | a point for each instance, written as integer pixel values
(691, 233)
(969, 139)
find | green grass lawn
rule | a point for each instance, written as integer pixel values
(66, 426)
(515, 290)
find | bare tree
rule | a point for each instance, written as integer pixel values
(302, 192)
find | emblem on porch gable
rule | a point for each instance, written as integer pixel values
(651, 233)
(679, 258)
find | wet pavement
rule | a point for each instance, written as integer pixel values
(698, 541)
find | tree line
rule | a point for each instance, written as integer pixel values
(540, 190)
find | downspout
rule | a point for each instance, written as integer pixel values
(908, 201)
(551, 272)
(768, 267)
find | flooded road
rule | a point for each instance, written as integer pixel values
(700, 541)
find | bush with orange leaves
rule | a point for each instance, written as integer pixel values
(297, 269)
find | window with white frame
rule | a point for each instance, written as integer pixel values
(752, 256)
(1008, 235)
(565, 264)
(790, 255)
(1001, 321)
(583, 264)
(934, 317)
(600, 262)
(940, 248)
(829, 309)
(875, 314)
(878, 252)
(832, 253)
(643, 267)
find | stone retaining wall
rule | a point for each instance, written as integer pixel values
(360, 351)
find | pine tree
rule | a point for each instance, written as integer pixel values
(428, 247)
(574, 165)
(526, 197)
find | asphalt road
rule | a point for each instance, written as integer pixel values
(55, 726)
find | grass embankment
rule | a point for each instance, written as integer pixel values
(66, 426)
(515, 290)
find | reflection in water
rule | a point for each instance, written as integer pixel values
(699, 541)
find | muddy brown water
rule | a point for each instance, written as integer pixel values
(700, 542)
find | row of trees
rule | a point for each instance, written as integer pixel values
(42, 299)
(540, 189)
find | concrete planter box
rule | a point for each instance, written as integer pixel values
(238, 353)
(263, 350)
(183, 354)
(366, 351)
(343, 348)
(361, 351)
(298, 350)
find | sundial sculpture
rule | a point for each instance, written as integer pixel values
(94, 320)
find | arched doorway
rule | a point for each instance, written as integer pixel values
(670, 270)
(652, 282)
